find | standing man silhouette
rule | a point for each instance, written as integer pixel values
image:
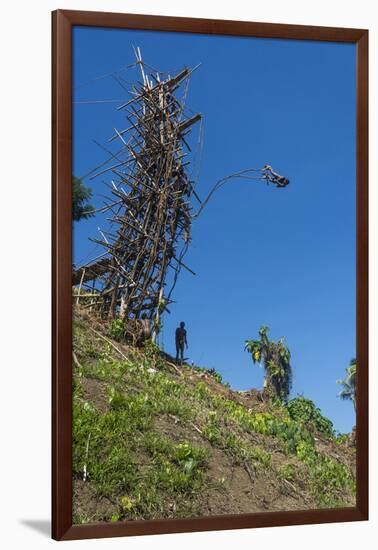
(181, 341)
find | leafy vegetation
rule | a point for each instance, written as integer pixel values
(145, 438)
(349, 383)
(117, 329)
(275, 357)
(81, 194)
(211, 372)
(305, 411)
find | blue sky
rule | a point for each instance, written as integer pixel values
(284, 258)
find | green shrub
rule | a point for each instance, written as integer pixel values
(216, 375)
(305, 411)
(117, 329)
(341, 439)
(177, 467)
(287, 471)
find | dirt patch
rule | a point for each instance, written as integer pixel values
(95, 392)
(88, 506)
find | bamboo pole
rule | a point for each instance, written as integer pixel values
(80, 285)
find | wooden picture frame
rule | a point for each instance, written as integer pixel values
(62, 24)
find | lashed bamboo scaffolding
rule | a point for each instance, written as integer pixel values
(151, 206)
(151, 201)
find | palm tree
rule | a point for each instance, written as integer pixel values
(275, 358)
(349, 383)
(81, 208)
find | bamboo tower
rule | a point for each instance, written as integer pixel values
(150, 202)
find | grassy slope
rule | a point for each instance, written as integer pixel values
(158, 442)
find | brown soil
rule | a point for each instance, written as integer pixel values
(87, 504)
(95, 392)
